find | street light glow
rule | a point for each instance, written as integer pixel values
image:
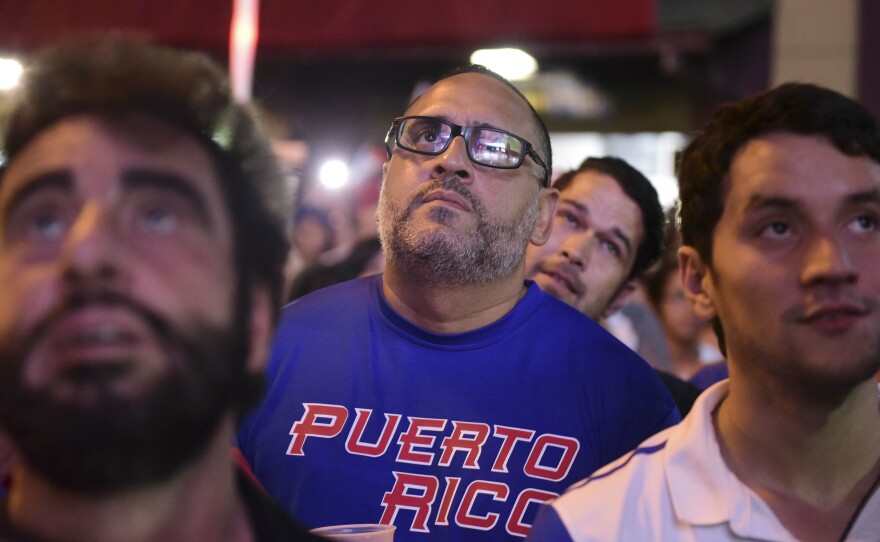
(512, 64)
(10, 73)
(333, 174)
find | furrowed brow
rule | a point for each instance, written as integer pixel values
(61, 180)
(576, 204)
(759, 202)
(162, 180)
(868, 196)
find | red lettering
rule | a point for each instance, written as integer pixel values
(354, 444)
(446, 503)
(325, 421)
(515, 525)
(465, 518)
(509, 435)
(413, 438)
(535, 469)
(466, 437)
(410, 492)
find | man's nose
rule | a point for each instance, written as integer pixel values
(91, 248)
(454, 161)
(828, 259)
(577, 249)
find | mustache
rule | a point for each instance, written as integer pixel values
(451, 183)
(571, 274)
(80, 299)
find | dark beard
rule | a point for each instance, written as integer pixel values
(111, 443)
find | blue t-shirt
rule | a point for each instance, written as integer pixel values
(369, 419)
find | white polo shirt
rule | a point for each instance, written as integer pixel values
(675, 487)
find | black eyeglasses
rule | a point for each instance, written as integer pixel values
(488, 147)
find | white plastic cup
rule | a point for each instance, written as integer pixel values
(363, 532)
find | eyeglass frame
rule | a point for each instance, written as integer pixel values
(393, 135)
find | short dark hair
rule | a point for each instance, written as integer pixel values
(796, 108)
(117, 78)
(642, 192)
(542, 146)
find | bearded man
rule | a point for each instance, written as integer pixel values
(448, 396)
(141, 257)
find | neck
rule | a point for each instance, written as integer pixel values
(810, 451)
(198, 503)
(454, 309)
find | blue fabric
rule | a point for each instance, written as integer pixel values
(548, 527)
(710, 374)
(488, 423)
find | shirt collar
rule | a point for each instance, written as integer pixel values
(702, 489)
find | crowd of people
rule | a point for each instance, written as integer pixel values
(454, 372)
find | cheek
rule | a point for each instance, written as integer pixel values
(536, 254)
(29, 294)
(397, 181)
(194, 281)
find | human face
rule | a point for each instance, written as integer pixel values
(116, 255)
(794, 276)
(448, 221)
(596, 232)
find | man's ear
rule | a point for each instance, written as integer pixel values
(620, 298)
(262, 328)
(696, 279)
(548, 198)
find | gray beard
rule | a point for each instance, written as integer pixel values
(446, 258)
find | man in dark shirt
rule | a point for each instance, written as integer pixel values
(608, 230)
(141, 265)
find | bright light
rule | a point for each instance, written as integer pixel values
(10, 73)
(333, 174)
(513, 64)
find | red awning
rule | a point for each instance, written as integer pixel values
(331, 25)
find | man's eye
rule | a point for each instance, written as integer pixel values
(776, 229)
(612, 248)
(47, 225)
(865, 223)
(568, 217)
(158, 220)
(428, 136)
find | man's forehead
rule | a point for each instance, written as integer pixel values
(479, 98)
(76, 142)
(592, 187)
(603, 198)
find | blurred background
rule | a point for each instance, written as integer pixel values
(626, 77)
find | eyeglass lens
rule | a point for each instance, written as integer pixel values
(486, 146)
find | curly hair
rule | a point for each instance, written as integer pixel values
(796, 108)
(115, 78)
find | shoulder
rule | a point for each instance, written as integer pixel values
(604, 504)
(569, 327)
(603, 365)
(329, 307)
(333, 297)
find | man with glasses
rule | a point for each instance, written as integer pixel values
(449, 396)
